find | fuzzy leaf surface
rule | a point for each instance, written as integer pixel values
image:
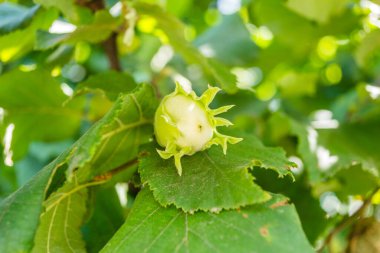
(20, 213)
(115, 139)
(59, 228)
(210, 179)
(258, 228)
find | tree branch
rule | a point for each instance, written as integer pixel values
(346, 222)
(110, 47)
(109, 174)
(110, 44)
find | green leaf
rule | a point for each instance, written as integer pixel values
(317, 10)
(366, 50)
(294, 32)
(295, 83)
(112, 83)
(16, 44)
(366, 106)
(238, 49)
(259, 228)
(14, 16)
(36, 115)
(59, 228)
(211, 180)
(287, 27)
(174, 29)
(353, 144)
(99, 30)
(178, 8)
(96, 150)
(8, 180)
(46, 40)
(67, 7)
(357, 105)
(354, 181)
(313, 217)
(115, 139)
(107, 217)
(20, 212)
(281, 124)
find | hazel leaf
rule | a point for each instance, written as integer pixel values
(211, 180)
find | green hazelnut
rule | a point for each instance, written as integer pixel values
(184, 124)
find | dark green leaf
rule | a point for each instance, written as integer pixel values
(318, 10)
(99, 30)
(58, 230)
(367, 48)
(115, 139)
(46, 40)
(238, 49)
(260, 228)
(287, 27)
(67, 7)
(313, 217)
(8, 181)
(112, 83)
(210, 179)
(36, 115)
(281, 124)
(107, 217)
(16, 44)
(14, 16)
(295, 83)
(95, 32)
(355, 181)
(20, 213)
(354, 144)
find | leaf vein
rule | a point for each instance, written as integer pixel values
(162, 232)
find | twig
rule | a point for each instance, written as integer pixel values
(109, 45)
(166, 71)
(345, 222)
(109, 174)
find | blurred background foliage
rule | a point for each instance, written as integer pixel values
(304, 75)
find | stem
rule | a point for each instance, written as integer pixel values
(108, 175)
(165, 72)
(351, 219)
(109, 45)
(98, 180)
(74, 190)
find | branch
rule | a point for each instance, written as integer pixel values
(108, 175)
(98, 180)
(346, 222)
(109, 45)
